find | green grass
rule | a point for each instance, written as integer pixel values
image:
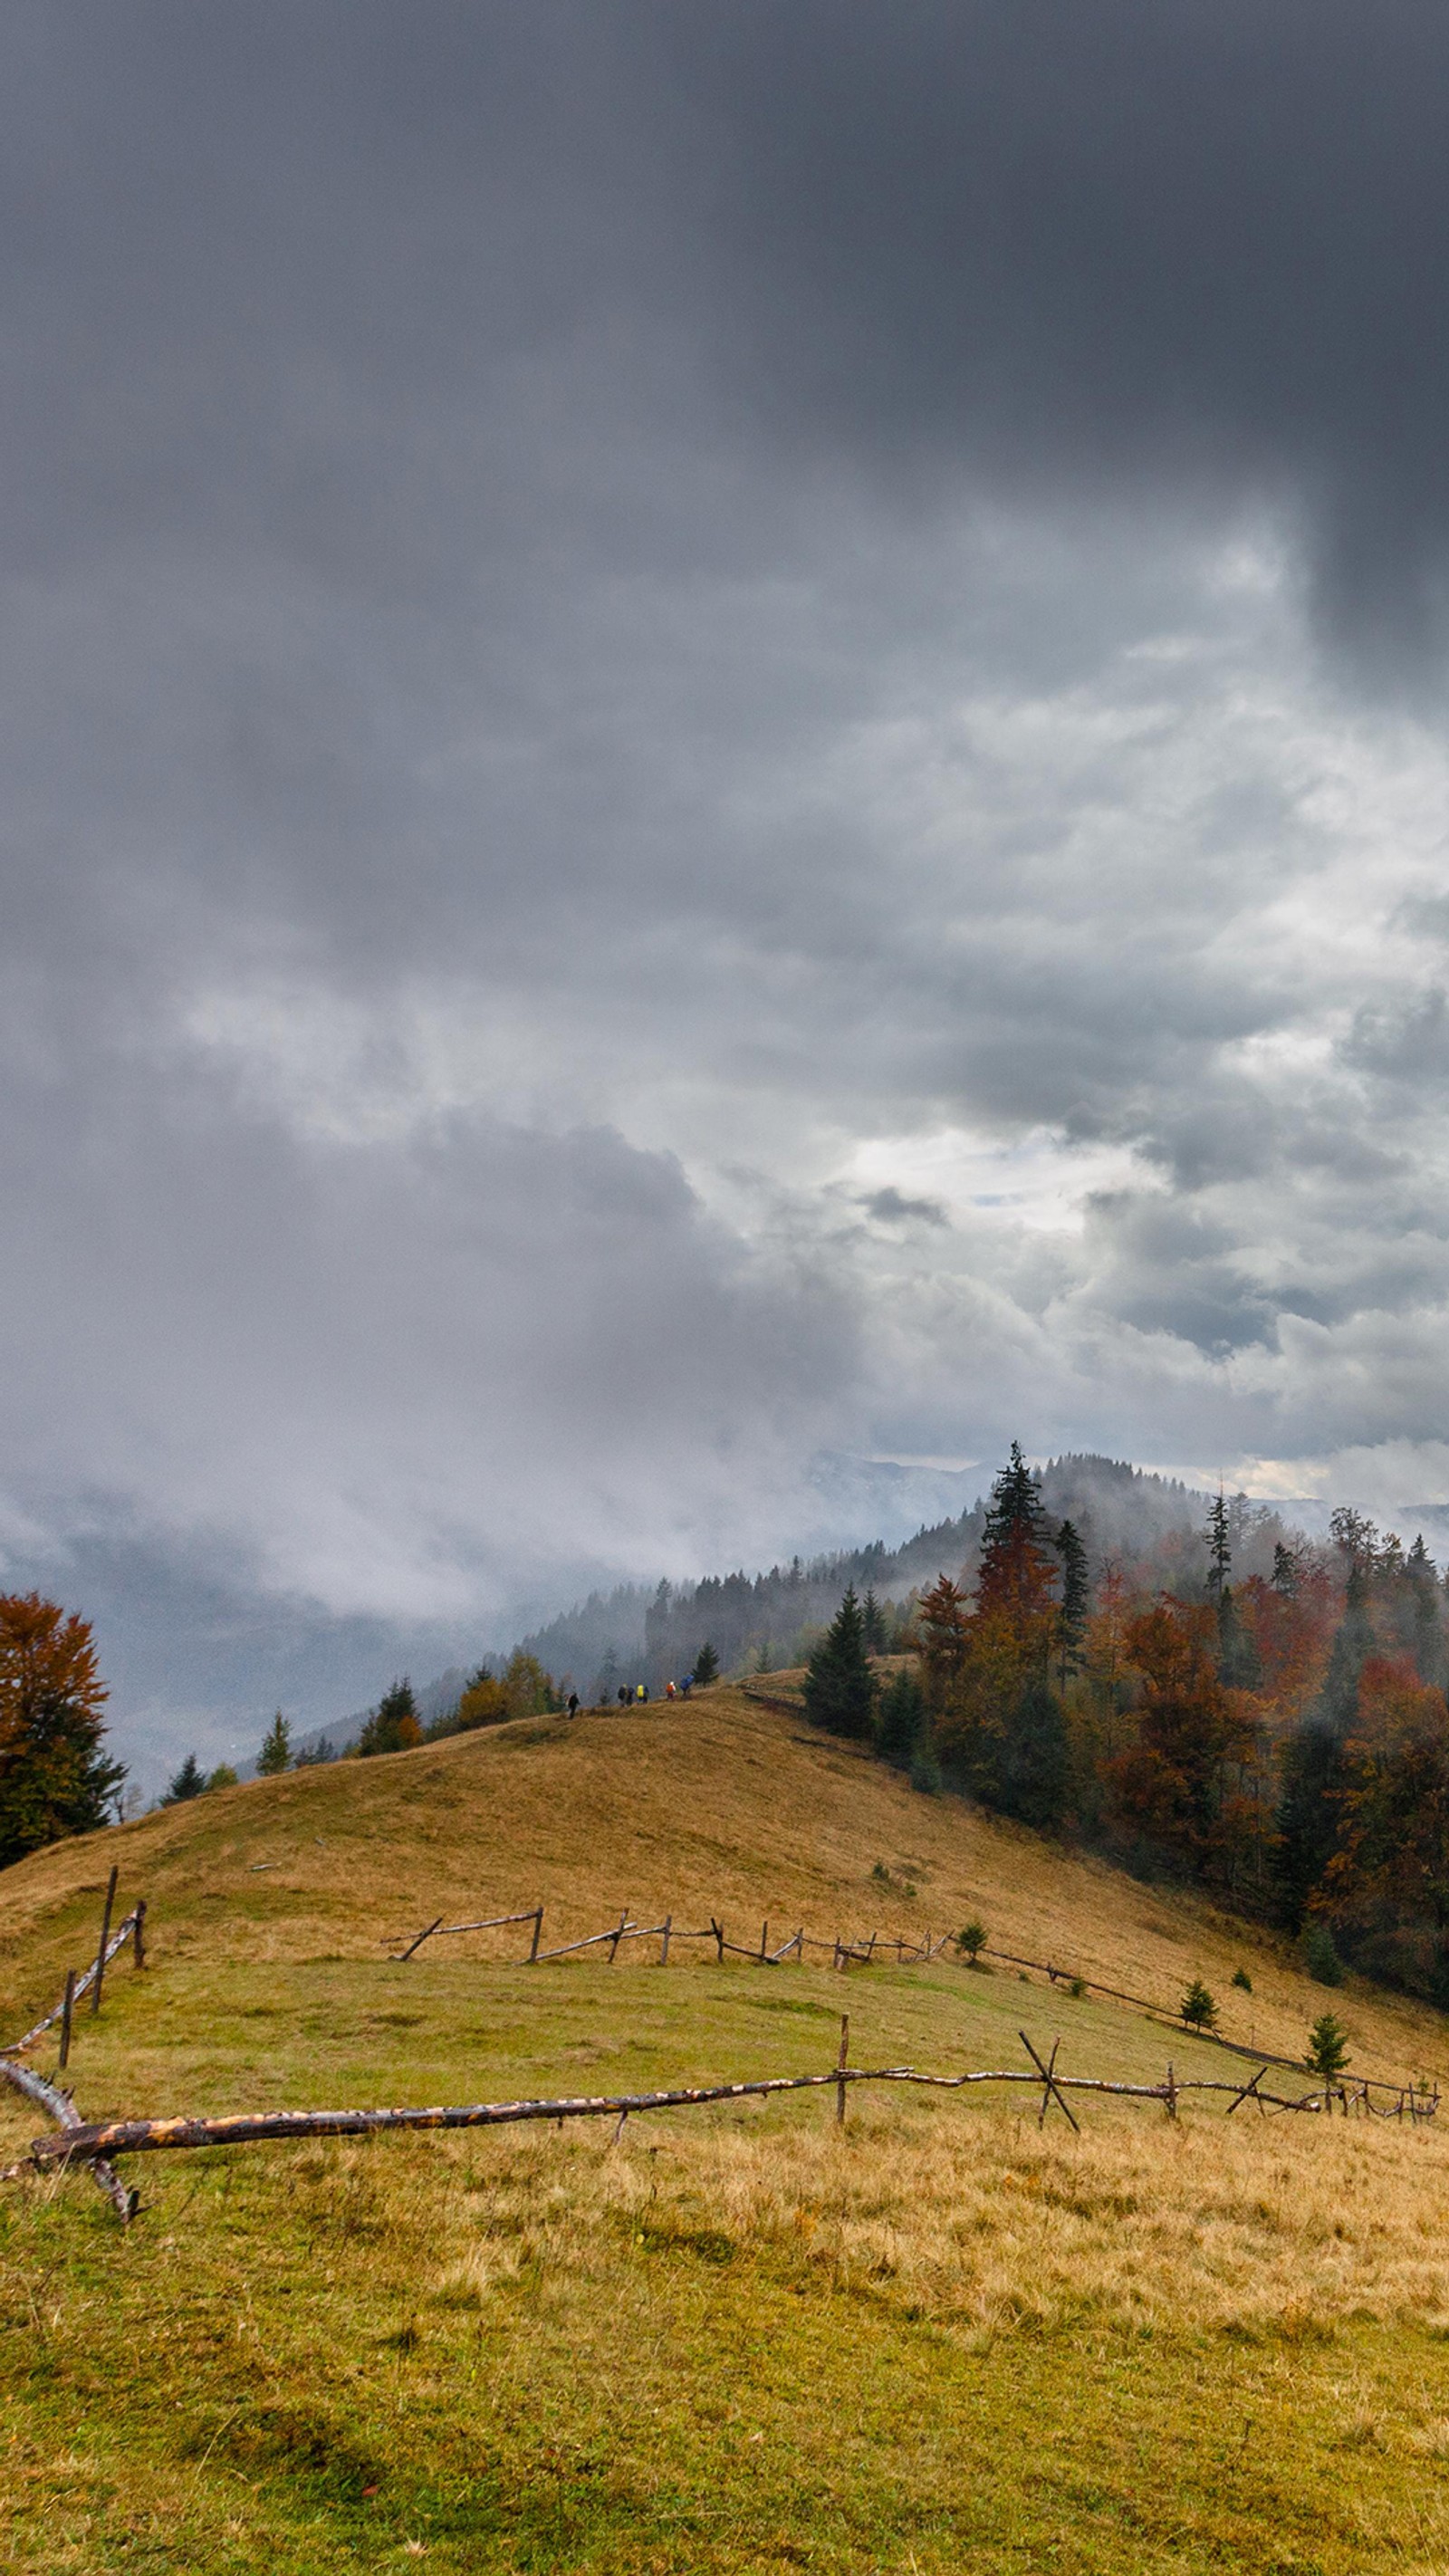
(729, 2341)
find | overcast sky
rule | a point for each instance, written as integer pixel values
(724, 737)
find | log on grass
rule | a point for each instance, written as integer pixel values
(62, 2110)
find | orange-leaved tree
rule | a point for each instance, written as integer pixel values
(54, 1778)
(1188, 1783)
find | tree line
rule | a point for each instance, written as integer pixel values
(1282, 1742)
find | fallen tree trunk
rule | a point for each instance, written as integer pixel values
(246, 2128)
(69, 2122)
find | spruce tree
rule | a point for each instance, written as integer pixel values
(1030, 1766)
(839, 1689)
(1219, 1543)
(872, 1624)
(189, 1782)
(276, 1752)
(1352, 1647)
(1075, 1601)
(1311, 1775)
(393, 1725)
(901, 1725)
(706, 1666)
(1286, 1570)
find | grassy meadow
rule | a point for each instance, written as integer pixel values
(729, 2340)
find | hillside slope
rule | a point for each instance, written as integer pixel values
(722, 1806)
(725, 2341)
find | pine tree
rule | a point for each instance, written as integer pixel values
(1219, 1543)
(1016, 1578)
(706, 1666)
(1197, 2007)
(1352, 1647)
(1327, 2047)
(54, 1778)
(1311, 1778)
(1238, 1661)
(839, 1691)
(1030, 1764)
(1076, 1601)
(1287, 1570)
(872, 1624)
(276, 1752)
(393, 1725)
(189, 1782)
(901, 1727)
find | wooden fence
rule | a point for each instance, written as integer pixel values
(861, 1951)
(95, 2142)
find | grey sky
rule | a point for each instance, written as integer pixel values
(724, 738)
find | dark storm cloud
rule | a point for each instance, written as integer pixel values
(626, 628)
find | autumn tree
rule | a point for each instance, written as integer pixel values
(483, 1702)
(1182, 1785)
(1385, 1886)
(54, 1777)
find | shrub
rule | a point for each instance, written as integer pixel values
(1197, 2008)
(1242, 1980)
(971, 1940)
(1077, 1987)
(223, 1777)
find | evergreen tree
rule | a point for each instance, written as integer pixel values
(1016, 1578)
(706, 1666)
(1238, 1661)
(1287, 1570)
(54, 1777)
(1352, 1647)
(1197, 2007)
(393, 1725)
(1076, 1601)
(872, 1623)
(839, 1684)
(1219, 1543)
(223, 1777)
(276, 1752)
(1426, 1636)
(901, 1727)
(1311, 1780)
(189, 1782)
(1030, 1766)
(1327, 2047)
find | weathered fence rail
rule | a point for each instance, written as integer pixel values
(75, 2141)
(861, 1951)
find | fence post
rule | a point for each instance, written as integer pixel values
(537, 1935)
(664, 1942)
(617, 1937)
(139, 1932)
(841, 2061)
(65, 2018)
(764, 1940)
(105, 1936)
(718, 1930)
(1171, 2092)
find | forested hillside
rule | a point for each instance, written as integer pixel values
(633, 1633)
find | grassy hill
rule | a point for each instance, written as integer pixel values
(729, 2340)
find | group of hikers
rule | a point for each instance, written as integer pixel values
(633, 1695)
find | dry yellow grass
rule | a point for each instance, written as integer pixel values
(728, 2342)
(719, 1806)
